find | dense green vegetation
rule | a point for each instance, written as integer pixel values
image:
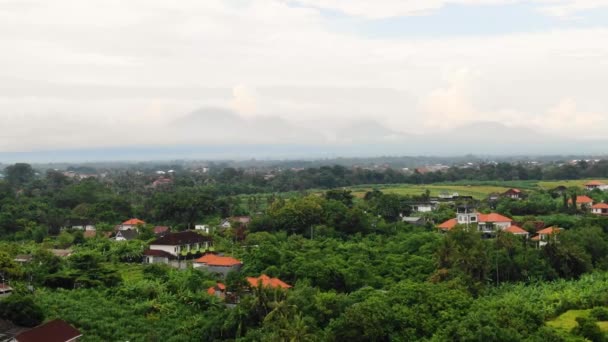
(358, 272)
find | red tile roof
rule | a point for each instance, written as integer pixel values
(600, 206)
(582, 200)
(53, 331)
(493, 217)
(516, 230)
(219, 286)
(160, 229)
(535, 238)
(267, 281)
(216, 260)
(549, 231)
(449, 224)
(133, 222)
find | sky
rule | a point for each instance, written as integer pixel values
(114, 74)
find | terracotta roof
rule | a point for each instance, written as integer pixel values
(600, 206)
(594, 183)
(548, 231)
(180, 238)
(53, 331)
(535, 238)
(582, 199)
(449, 224)
(221, 286)
(216, 260)
(513, 190)
(516, 230)
(267, 281)
(133, 222)
(493, 217)
(158, 253)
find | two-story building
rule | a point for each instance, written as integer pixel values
(173, 245)
(132, 224)
(545, 235)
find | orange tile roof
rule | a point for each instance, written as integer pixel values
(516, 230)
(594, 183)
(449, 224)
(493, 217)
(267, 281)
(536, 238)
(216, 260)
(548, 231)
(600, 206)
(133, 222)
(582, 200)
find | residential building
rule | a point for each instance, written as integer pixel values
(491, 223)
(62, 253)
(425, 207)
(23, 258)
(132, 224)
(126, 235)
(177, 244)
(516, 230)
(416, 221)
(214, 263)
(592, 185)
(204, 228)
(236, 220)
(513, 194)
(161, 230)
(52, 331)
(582, 202)
(600, 209)
(545, 235)
(5, 290)
(466, 215)
(266, 281)
(219, 290)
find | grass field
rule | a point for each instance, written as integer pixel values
(130, 272)
(576, 183)
(567, 320)
(477, 191)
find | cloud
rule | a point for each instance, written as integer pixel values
(92, 73)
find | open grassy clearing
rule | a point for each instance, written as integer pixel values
(567, 320)
(477, 191)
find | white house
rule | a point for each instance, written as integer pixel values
(126, 235)
(592, 185)
(600, 209)
(204, 228)
(132, 224)
(174, 244)
(546, 235)
(424, 207)
(489, 223)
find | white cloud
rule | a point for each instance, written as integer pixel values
(88, 73)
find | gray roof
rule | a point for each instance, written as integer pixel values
(412, 219)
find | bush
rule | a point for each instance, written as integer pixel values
(599, 313)
(21, 310)
(588, 328)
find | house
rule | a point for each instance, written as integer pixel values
(513, 194)
(447, 195)
(126, 235)
(600, 209)
(518, 231)
(582, 202)
(266, 281)
(448, 225)
(62, 253)
(204, 228)
(23, 258)
(5, 290)
(490, 223)
(466, 215)
(416, 221)
(161, 230)
(52, 331)
(132, 224)
(172, 245)
(85, 227)
(592, 185)
(217, 264)
(493, 197)
(546, 235)
(219, 291)
(423, 207)
(238, 220)
(161, 182)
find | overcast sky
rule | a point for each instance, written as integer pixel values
(107, 73)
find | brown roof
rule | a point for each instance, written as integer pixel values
(53, 331)
(160, 229)
(181, 238)
(158, 253)
(4, 287)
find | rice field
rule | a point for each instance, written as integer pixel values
(567, 320)
(477, 191)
